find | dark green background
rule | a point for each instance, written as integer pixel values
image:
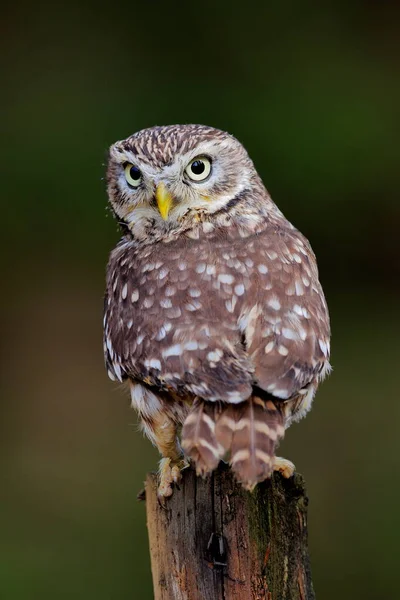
(311, 89)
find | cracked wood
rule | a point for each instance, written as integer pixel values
(216, 541)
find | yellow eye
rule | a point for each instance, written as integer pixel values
(133, 175)
(199, 168)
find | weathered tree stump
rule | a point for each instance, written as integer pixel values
(216, 541)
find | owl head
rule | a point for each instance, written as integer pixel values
(164, 175)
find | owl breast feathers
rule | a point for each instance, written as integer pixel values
(214, 313)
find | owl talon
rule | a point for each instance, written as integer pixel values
(169, 475)
(284, 466)
(176, 474)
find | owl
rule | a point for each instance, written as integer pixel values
(214, 315)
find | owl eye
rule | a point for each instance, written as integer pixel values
(133, 175)
(199, 168)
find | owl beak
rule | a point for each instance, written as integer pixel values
(164, 200)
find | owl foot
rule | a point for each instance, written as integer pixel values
(169, 474)
(284, 466)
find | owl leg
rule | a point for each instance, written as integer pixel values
(163, 433)
(172, 463)
(160, 426)
(284, 466)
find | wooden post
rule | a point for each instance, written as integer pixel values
(216, 541)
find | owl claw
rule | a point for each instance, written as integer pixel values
(284, 466)
(169, 475)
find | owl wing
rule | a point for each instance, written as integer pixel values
(285, 318)
(166, 324)
(212, 317)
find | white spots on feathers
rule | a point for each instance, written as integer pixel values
(201, 267)
(194, 293)
(117, 370)
(211, 269)
(175, 350)
(324, 347)
(290, 290)
(266, 332)
(299, 288)
(111, 375)
(262, 268)
(193, 306)
(267, 284)
(134, 296)
(166, 303)
(152, 363)
(302, 333)
(247, 323)
(174, 312)
(269, 347)
(215, 355)
(148, 267)
(274, 320)
(124, 291)
(225, 278)
(237, 265)
(109, 347)
(231, 303)
(192, 345)
(283, 351)
(274, 303)
(290, 334)
(239, 289)
(162, 332)
(148, 302)
(298, 309)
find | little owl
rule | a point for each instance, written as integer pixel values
(214, 314)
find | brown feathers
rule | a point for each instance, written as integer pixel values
(249, 432)
(258, 426)
(198, 437)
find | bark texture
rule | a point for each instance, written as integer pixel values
(216, 541)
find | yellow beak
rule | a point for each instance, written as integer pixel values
(164, 200)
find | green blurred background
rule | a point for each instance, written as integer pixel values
(312, 91)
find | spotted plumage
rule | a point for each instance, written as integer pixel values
(214, 313)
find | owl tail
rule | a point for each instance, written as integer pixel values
(250, 431)
(198, 437)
